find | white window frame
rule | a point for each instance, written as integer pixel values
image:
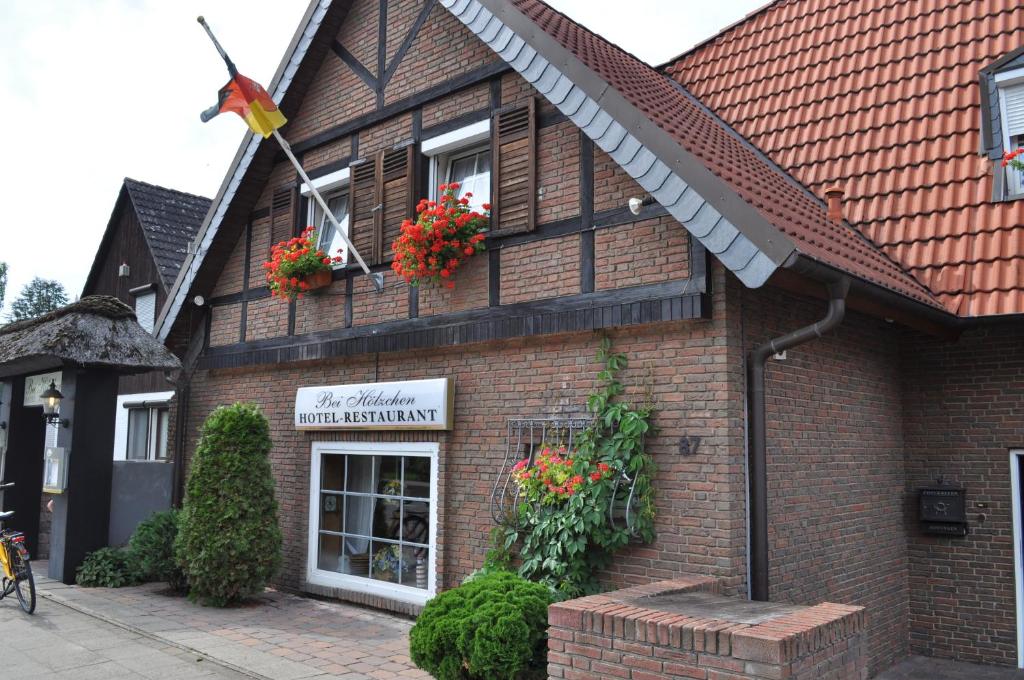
(121, 425)
(442, 148)
(1018, 542)
(147, 321)
(332, 579)
(329, 186)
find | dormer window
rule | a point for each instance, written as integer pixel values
(1011, 107)
(1002, 85)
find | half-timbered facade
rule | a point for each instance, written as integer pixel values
(726, 247)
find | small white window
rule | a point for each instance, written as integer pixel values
(333, 188)
(147, 433)
(141, 426)
(145, 310)
(462, 156)
(373, 518)
(472, 170)
(330, 241)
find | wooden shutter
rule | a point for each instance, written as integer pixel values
(361, 204)
(397, 174)
(514, 168)
(282, 215)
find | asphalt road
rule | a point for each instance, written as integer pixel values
(57, 643)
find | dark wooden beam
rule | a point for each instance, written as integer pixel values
(494, 277)
(410, 37)
(357, 67)
(590, 311)
(349, 284)
(587, 255)
(245, 282)
(382, 44)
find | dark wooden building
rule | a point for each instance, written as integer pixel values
(148, 237)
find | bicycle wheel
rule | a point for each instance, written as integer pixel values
(25, 584)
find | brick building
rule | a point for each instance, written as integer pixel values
(913, 283)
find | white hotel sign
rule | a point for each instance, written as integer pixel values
(408, 405)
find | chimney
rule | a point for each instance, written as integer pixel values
(834, 196)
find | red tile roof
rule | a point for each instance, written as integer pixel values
(882, 98)
(781, 200)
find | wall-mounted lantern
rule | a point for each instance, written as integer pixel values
(51, 405)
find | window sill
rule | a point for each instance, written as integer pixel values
(366, 599)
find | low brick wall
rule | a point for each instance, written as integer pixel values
(645, 633)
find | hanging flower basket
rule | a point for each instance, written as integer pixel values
(297, 267)
(445, 233)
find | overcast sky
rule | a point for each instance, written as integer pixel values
(93, 91)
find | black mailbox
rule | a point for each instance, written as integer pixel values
(943, 510)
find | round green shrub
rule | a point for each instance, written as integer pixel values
(153, 547)
(229, 543)
(108, 568)
(492, 627)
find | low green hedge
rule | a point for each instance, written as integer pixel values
(493, 627)
(109, 568)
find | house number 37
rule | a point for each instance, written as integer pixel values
(688, 446)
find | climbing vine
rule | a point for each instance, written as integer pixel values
(573, 503)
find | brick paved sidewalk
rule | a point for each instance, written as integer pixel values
(277, 636)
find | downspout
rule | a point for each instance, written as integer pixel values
(757, 472)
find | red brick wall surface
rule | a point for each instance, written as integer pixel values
(835, 466)
(640, 253)
(963, 407)
(684, 365)
(624, 634)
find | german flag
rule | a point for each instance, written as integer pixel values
(249, 100)
(245, 97)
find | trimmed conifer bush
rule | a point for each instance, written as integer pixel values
(229, 542)
(493, 627)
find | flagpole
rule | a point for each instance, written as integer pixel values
(378, 278)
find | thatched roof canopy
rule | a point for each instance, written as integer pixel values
(96, 332)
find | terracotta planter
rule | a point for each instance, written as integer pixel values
(318, 281)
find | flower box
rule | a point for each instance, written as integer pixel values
(318, 280)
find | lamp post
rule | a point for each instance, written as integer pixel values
(51, 406)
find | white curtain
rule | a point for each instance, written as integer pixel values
(363, 472)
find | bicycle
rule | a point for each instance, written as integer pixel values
(16, 570)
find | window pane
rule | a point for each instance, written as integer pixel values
(163, 420)
(387, 519)
(359, 512)
(415, 567)
(386, 562)
(330, 240)
(138, 433)
(361, 473)
(331, 512)
(417, 477)
(329, 558)
(332, 474)
(390, 478)
(357, 557)
(416, 522)
(473, 173)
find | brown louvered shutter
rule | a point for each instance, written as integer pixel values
(397, 173)
(282, 215)
(362, 201)
(514, 140)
